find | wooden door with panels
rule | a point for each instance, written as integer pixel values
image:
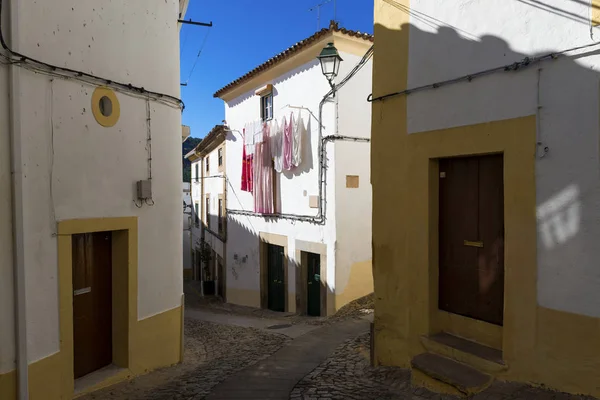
(92, 301)
(313, 285)
(471, 237)
(276, 277)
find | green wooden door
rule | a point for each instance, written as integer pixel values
(276, 287)
(313, 284)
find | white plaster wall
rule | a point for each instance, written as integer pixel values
(213, 187)
(453, 38)
(187, 233)
(305, 86)
(74, 168)
(7, 338)
(353, 206)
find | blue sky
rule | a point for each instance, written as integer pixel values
(246, 33)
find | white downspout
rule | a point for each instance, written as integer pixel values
(17, 208)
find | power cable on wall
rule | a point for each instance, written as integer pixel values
(516, 66)
(68, 73)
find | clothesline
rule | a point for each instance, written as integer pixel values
(279, 149)
(303, 108)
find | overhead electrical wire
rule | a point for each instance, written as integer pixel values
(197, 58)
(526, 62)
(64, 72)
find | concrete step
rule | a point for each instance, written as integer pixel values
(478, 356)
(442, 374)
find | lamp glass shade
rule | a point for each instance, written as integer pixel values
(330, 61)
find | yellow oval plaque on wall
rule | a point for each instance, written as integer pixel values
(105, 107)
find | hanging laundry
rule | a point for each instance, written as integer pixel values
(247, 168)
(298, 134)
(263, 174)
(287, 143)
(277, 145)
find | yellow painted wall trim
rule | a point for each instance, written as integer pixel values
(360, 284)
(157, 343)
(595, 12)
(74, 226)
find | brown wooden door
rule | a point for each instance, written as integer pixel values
(92, 302)
(471, 241)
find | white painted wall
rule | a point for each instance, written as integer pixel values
(213, 187)
(296, 186)
(353, 206)
(465, 36)
(187, 222)
(92, 169)
(305, 86)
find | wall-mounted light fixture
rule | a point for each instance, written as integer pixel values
(330, 62)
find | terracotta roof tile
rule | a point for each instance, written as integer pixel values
(333, 27)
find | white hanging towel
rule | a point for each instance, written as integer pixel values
(276, 145)
(297, 135)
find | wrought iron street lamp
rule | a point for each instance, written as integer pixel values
(330, 62)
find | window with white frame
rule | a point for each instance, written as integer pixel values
(266, 107)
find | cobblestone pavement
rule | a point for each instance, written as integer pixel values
(347, 375)
(212, 353)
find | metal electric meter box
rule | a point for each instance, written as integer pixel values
(144, 189)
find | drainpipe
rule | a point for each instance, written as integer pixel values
(16, 155)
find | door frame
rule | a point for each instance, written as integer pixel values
(279, 240)
(469, 328)
(124, 284)
(327, 299)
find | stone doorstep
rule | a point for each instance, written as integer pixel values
(463, 378)
(476, 355)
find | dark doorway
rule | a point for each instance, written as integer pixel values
(313, 290)
(92, 301)
(221, 277)
(471, 241)
(276, 278)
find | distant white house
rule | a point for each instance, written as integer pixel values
(298, 240)
(208, 210)
(187, 230)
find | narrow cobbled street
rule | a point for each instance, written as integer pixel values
(236, 353)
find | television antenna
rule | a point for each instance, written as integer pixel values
(318, 8)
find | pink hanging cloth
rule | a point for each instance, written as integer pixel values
(263, 174)
(288, 130)
(247, 169)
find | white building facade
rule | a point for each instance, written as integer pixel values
(209, 226)
(90, 110)
(312, 253)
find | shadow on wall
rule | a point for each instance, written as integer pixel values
(559, 91)
(284, 281)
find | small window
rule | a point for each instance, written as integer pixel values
(207, 165)
(266, 107)
(197, 214)
(220, 155)
(207, 212)
(197, 167)
(221, 213)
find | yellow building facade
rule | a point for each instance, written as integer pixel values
(425, 120)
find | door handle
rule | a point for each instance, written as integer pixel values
(473, 244)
